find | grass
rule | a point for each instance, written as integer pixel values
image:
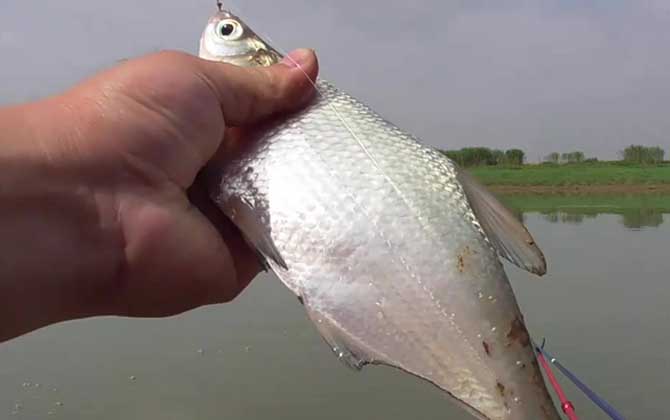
(605, 173)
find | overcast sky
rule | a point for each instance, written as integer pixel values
(545, 76)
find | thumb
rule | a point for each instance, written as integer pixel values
(248, 95)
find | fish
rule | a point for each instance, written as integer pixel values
(393, 250)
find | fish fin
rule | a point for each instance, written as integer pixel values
(353, 356)
(507, 234)
(250, 222)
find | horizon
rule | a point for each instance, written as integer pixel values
(562, 155)
(554, 75)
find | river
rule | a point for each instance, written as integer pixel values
(603, 308)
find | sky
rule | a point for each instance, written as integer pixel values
(544, 76)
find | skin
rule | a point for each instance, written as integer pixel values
(101, 212)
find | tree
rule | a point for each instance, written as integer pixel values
(498, 157)
(553, 157)
(572, 157)
(515, 156)
(636, 153)
(454, 155)
(575, 157)
(476, 156)
(655, 154)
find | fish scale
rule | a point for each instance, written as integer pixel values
(386, 212)
(392, 249)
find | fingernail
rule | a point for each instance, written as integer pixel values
(298, 58)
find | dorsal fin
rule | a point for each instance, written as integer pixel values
(507, 234)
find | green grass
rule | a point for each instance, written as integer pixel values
(574, 174)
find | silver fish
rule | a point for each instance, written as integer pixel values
(392, 249)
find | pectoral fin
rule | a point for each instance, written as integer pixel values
(507, 234)
(254, 226)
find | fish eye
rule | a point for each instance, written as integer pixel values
(229, 29)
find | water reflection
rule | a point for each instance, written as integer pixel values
(602, 305)
(572, 218)
(637, 211)
(642, 218)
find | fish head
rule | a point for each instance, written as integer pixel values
(228, 39)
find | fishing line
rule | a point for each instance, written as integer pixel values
(595, 398)
(566, 405)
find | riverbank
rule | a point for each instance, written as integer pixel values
(581, 189)
(575, 179)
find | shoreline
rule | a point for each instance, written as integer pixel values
(581, 189)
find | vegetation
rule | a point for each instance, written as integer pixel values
(483, 156)
(586, 203)
(639, 165)
(570, 157)
(553, 157)
(637, 210)
(595, 173)
(642, 154)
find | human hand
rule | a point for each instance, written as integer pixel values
(97, 190)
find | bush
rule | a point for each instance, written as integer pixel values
(483, 156)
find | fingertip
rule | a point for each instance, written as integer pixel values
(303, 62)
(300, 68)
(248, 95)
(304, 58)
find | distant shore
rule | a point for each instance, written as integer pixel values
(582, 189)
(599, 178)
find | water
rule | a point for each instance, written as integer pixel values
(603, 307)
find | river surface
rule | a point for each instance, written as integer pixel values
(603, 308)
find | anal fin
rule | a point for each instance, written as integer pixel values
(346, 351)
